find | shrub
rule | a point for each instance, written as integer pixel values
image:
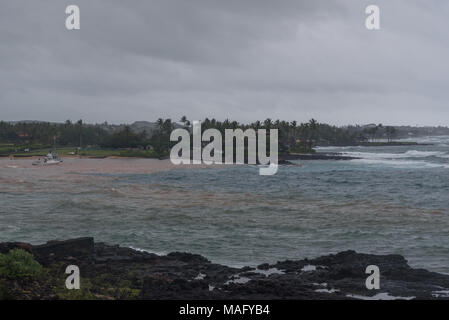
(3, 292)
(19, 263)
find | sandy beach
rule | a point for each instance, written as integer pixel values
(89, 165)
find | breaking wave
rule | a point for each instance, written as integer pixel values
(408, 154)
(410, 158)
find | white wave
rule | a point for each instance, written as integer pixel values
(424, 154)
(436, 140)
(311, 267)
(401, 163)
(334, 148)
(268, 272)
(408, 154)
(441, 294)
(372, 155)
(200, 276)
(379, 296)
(408, 159)
(237, 278)
(159, 253)
(327, 290)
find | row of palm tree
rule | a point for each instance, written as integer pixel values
(293, 136)
(375, 131)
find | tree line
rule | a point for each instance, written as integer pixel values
(293, 136)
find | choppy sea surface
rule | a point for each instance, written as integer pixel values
(391, 200)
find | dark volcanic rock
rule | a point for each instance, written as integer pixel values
(188, 257)
(60, 250)
(6, 246)
(115, 272)
(286, 163)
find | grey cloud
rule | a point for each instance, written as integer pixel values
(246, 60)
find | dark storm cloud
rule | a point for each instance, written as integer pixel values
(246, 60)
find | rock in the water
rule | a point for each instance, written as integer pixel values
(59, 250)
(115, 272)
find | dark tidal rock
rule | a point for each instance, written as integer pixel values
(59, 250)
(191, 276)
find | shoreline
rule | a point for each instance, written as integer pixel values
(33, 157)
(114, 272)
(82, 168)
(282, 158)
(379, 144)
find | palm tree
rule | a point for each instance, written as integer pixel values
(257, 125)
(313, 132)
(391, 132)
(167, 126)
(293, 125)
(79, 124)
(267, 123)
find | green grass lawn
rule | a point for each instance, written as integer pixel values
(99, 153)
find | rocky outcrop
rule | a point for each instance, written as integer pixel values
(115, 272)
(63, 250)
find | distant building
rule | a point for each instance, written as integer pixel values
(23, 135)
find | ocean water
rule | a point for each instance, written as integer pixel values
(392, 200)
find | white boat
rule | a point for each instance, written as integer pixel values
(52, 158)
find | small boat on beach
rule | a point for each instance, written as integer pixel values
(52, 158)
(49, 159)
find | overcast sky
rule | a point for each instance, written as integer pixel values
(239, 59)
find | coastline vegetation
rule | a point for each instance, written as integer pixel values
(32, 138)
(22, 275)
(18, 263)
